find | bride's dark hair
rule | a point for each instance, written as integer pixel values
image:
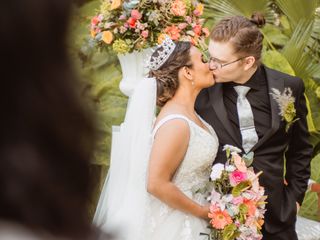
(167, 75)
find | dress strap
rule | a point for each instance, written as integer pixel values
(166, 119)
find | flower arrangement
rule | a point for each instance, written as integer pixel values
(237, 201)
(285, 102)
(129, 25)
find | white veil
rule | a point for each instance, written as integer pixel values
(123, 201)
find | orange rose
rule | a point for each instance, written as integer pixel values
(197, 29)
(107, 37)
(173, 32)
(115, 4)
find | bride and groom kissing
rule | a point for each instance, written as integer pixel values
(230, 98)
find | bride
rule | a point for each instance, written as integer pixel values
(150, 192)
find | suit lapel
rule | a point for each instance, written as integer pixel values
(278, 83)
(216, 99)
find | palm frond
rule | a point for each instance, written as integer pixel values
(295, 51)
(218, 9)
(296, 10)
(310, 203)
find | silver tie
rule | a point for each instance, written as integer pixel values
(246, 121)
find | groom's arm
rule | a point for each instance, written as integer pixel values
(298, 155)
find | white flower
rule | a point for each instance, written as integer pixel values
(231, 148)
(230, 168)
(216, 171)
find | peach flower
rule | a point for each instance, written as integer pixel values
(107, 37)
(178, 8)
(173, 32)
(252, 206)
(220, 219)
(240, 164)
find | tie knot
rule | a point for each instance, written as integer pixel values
(242, 90)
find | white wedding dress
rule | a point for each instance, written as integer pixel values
(163, 222)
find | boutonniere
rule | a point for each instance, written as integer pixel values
(285, 101)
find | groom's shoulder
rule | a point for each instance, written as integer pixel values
(203, 98)
(291, 81)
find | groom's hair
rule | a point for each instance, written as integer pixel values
(242, 33)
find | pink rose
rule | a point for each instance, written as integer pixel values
(145, 33)
(197, 29)
(122, 17)
(188, 19)
(214, 207)
(206, 32)
(182, 26)
(237, 200)
(237, 177)
(95, 20)
(135, 14)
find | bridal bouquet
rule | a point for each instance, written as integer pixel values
(129, 25)
(237, 201)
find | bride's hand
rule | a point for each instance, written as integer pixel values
(204, 212)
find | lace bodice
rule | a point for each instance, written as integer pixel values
(195, 168)
(194, 171)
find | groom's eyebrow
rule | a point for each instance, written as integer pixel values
(217, 59)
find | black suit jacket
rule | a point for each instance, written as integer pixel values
(271, 150)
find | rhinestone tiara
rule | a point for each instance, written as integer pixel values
(168, 47)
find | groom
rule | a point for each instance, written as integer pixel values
(244, 113)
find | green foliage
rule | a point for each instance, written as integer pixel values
(230, 232)
(101, 74)
(236, 191)
(310, 202)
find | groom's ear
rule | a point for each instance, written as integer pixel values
(249, 62)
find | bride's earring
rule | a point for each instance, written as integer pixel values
(192, 82)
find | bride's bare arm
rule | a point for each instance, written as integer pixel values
(168, 150)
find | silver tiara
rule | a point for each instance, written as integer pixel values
(168, 47)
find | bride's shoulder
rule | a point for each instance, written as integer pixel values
(173, 123)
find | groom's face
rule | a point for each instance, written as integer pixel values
(225, 64)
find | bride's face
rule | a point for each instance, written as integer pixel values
(202, 75)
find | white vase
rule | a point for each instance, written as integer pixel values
(133, 66)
